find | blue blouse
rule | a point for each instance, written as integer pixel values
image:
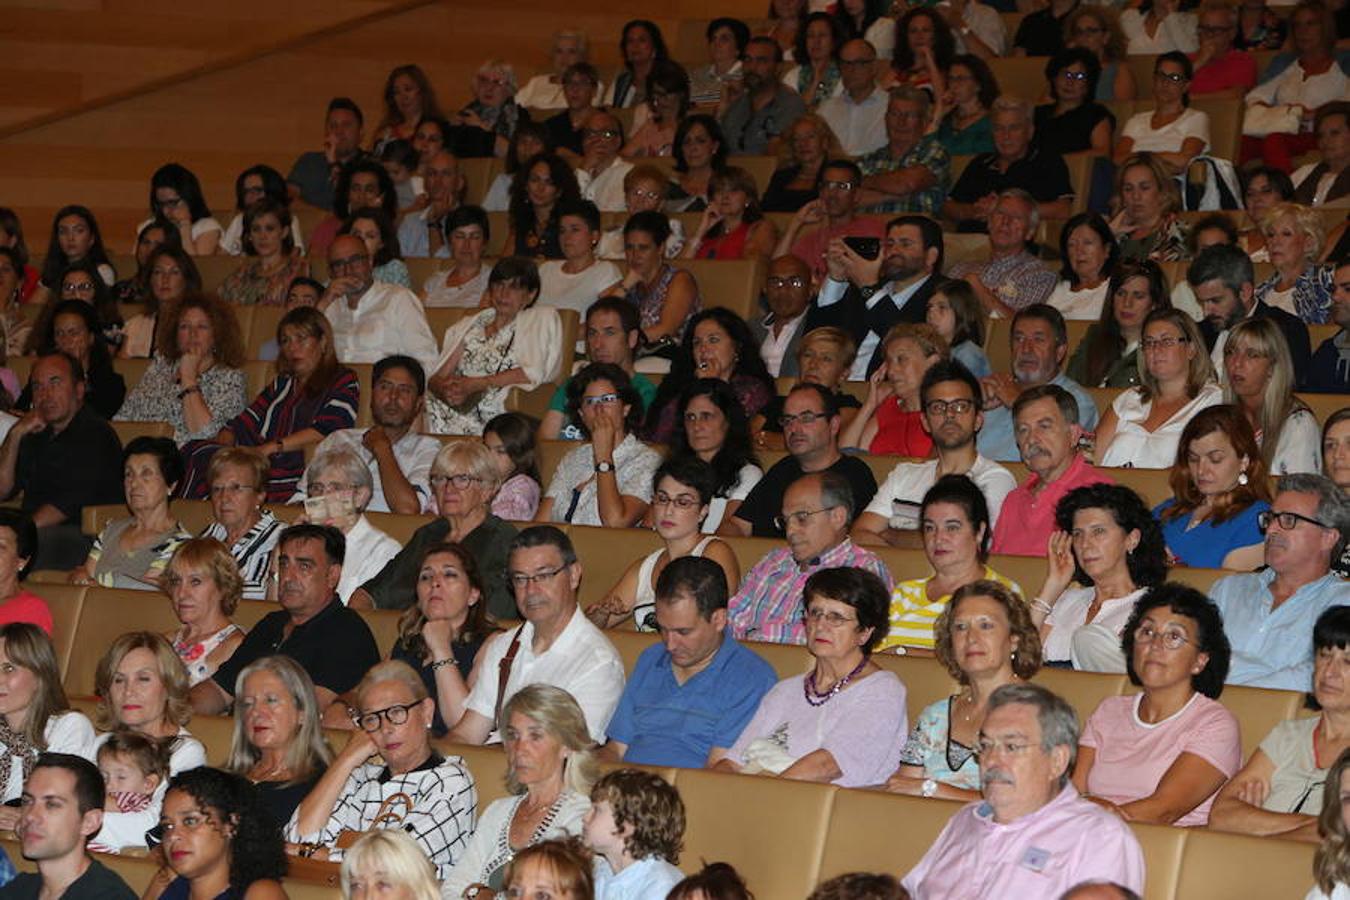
(1206, 545)
(972, 356)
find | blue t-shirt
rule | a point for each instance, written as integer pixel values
(1206, 545)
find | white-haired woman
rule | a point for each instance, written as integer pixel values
(549, 773)
(491, 117)
(545, 90)
(387, 864)
(1299, 285)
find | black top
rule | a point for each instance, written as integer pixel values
(765, 502)
(97, 883)
(1071, 132)
(463, 652)
(853, 314)
(104, 391)
(562, 135)
(395, 587)
(81, 466)
(335, 648)
(1042, 175)
(1292, 327)
(1040, 33)
(280, 799)
(774, 410)
(778, 198)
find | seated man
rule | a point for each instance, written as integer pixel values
(758, 108)
(1031, 835)
(612, 332)
(1047, 436)
(816, 512)
(370, 319)
(833, 215)
(423, 233)
(787, 294)
(315, 174)
(399, 458)
(1269, 615)
(601, 172)
(1011, 279)
(1327, 181)
(691, 695)
(1329, 371)
(1222, 70)
(857, 114)
(911, 171)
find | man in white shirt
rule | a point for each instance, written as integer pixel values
(601, 173)
(399, 459)
(787, 292)
(371, 320)
(557, 645)
(858, 115)
(423, 233)
(950, 398)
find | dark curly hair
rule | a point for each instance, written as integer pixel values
(576, 387)
(1209, 634)
(256, 848)
(521, 211)
(388, 193)
(1027, 657)
(944, 42)
(714, 130)
(715, 881)
(736, 450)
(651, 805)
(1148, 561)
(859, 885)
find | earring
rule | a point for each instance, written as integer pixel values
(1242, 478)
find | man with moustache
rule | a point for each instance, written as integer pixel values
(1329, 370)
(759, 107)
(787, 293)
(1268, 616)
(1032, 835)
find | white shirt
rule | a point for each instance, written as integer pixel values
(611, 242)
(388, 319)
(1176, 32)
(1190, 124)
(66, 732)
(581, 661)
(1135, 447)
(881, 35)
(645, 879)
(606, 189)
(860, 126)
(1070, 614)
(1300, 447)
(1084, 305)
(984, 22)
(749, 476)
(566, 291)
(832, 292)
(498, 197)
(413, 452)
(128, 829)
(233, 240)
(368, 549)
(774, 349)
(542, 93)
(910, 481)
(1292, 86)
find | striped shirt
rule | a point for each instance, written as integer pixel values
(252, 552)
(913, 614)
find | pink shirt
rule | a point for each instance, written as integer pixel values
(26, 607)
(1028, 519)
(1040, 855)
(1132, 756)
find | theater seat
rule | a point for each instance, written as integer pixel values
(872, 831)
(65, 602)
(732, 284)
(1219, 866)
(487, 764)
(1164, 849)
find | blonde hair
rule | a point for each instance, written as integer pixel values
(1167, 187)
(1201, 370)
(177, 707)
(238, 456)
(828, 334)
(556, 710)
(922, 334)
(1305, 219)
(28, 647)
(308, 752)
(474, 456)
(833, 149)
(1279, 403)
(212, 557)
(397, 856)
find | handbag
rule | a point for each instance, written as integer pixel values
(1259, 121)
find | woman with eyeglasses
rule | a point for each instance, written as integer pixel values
(79, 282)
(824, 357)
(683, 490)
(74, 329)
(1172, 131)
(844, 721)
(176, 196)
(237, 483)
(1097, 29)
(1260, 383)
(715, 431)
(1074, 122)
(1160, 756)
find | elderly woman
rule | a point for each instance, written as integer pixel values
(1281, 789)
(18, 545)
(607, 481)
(550, 769)
(955, 523)
(733, 226)
(132, 552)
(204, 588)
(806, 145)
(1299, 285)
(141, 685)
(641, 47)
(574, 281)
(409, 99)
(1147, 225)
(546, 183)
(1173, 132)
(1260, 382)
(1107, 541)
(665, 297)
(545, 91)
(1074, 122)
(716, 432)
(825, 357)
(171, 276)
(195, 382)
(682, 491)
(644, 191)
(75, 329)
(237, 481)
(890, 421)
(1090, 255)
(277, 742)
(465, 282)
(510, 344)
(727, 39)
(984, 639)
(486, 124)
(700, 150)
(1108, 353)
(1219, 489)
(464, 479)
(389, 861)
(311, 397)
(964, 126)
(1176, 381)
(844, 721)
(416, 791)
(1160, 755)
(273, 258)
(1097, 29)
(656, 119)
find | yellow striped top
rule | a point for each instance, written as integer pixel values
(913, 614)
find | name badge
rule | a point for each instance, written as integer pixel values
(1035, 859)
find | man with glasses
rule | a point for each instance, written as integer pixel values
(832, 215)
(816, 513)
(612, 332)
(1032, 835)
(330, 642)
(950, 401)
(787, 294)
(810, 424)
(601, 172)
(315, 174)
(857, 115)
(911, 170)
(556, 645)
(370, 319)
(1221, 70)
(758, 108)
(423, 233)
(1268, 615)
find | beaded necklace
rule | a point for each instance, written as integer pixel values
(815, 698)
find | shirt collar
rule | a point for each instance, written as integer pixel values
(431, 762)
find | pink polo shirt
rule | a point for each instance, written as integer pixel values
(1040, 855)
(1028, 519)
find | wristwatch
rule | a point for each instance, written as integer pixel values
(604, 467)
(929, 788)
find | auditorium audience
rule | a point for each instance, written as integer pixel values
(700, 151)
(788, 297)
(640, 47)
(1097, 29)
(756, 109)
(204, 588)
(465, 282)
(1298, 285)
(360, 184)
(1090, 255)
(733, 225)
(536, 202)
(371, 320)
(954, 309)
(237, 481)
(1260, 382)
(657, 117)
(1172, 133)
(529, 140)
(1263, 187)
(1011, 280)
(1325, 182)
(1108, 354)
(545, 90)
(376, 231)
(601, 173)
(176, 197)
(665, 297)
(891, 421)
(581, 87)
(807, 144)
(75, 238)
(315, 173)
(925, 47)
(644, 190)
(1074, 122)
(431, 231)
(254, 184)
(511, 439)
(857, 113)
(824, 358)
(408, 99)
(964, 127)
(170, 276)
(714, 430)
(575, 281)
(910, 170)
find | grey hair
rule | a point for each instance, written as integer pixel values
(502, 68)
(1333, 507)
(583, 44)
(1034, 216)
(910, 92)
(346, 461)
(394, 670)
(1008, 103)
(1058, 721)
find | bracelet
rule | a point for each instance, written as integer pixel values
(189, 390)
(1041, 606)
(442, 663)
(308, 850)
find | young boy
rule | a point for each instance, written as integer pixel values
(133, 766)
(636, 828)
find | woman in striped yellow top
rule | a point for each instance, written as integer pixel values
(954, 518)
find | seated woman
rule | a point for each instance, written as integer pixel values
(715, 431)
(1108, 353)
(13, 320)
(1219, 490)
(529, 141)
(133, 552)
(964, 127)
(955, 311)
(890, 421)
(204, 588)
(656, 118)
(195, 382)
(607, 481)
(954, 521)
(311, 397)
(1176, 381)
(176, 196)
(581, 88)
(924, 49)
(1090, 255)
(171, 276)
(1299, 285)
(378, 232)
(254, 184)
(1282, 788)
(574, 281)
(550, 768)
(984, 639)
(1097, 29)
(1160, 755)
(1172, 131)
(486, 123)
(274, 260)
(135, 289)
(74, 328)
(511, 344)
(807, 144)
(726, 41)
(80, 281)
(1335, 448)
(440, 635)
(732, 227)
(1263, 188)
(644, 190)
(466, 281)
(511, 437)
(416, 791)
(75, 240)
(844, 721)
(546, 90)
(1333, 826)
(247, 857)
(825, 357)
(338, 487)
(1260, 383)
(717, 345)
(409, 99)
(816, 75)
(546, 184)
(387, 861)
(1074, 122)
(360, 184)
(18, 545)
(1147, 225)
(700, 151)
(682, 490)
(1108, 543)
(237, 483)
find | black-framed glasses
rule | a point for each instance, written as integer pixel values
(460, 481)
(798, 518)
(1288, 520)
(520, 580)
(394, 715)
(941, 408)
(806, 418)
(683, 501)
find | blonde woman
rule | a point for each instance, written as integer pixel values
(1260, 383)
(1146, 225)
(204, 587)
(388, 863)
(890, 420)
(1299, 285)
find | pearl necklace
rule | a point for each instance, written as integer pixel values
(815, 698)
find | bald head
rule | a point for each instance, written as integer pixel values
(787, 289)
(349, 259)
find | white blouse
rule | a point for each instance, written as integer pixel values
(1084, 305)
(1300, 447)
(1134, 446)
(575, 291)
(1168, 139)
(67, 732)
(537, 348)
(1293, 86)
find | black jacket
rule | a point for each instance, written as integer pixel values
(852, 315)
(1294, 330)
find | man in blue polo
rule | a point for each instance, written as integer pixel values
(689, 696)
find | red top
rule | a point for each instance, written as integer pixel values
(26, 607)
(30, 283)
(900, 433)
(1235, 69)
(726, 246)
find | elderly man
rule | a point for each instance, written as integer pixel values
(1032, 835)
(817, 510)
(557, 645)
(1012, 278)
(612, 334)
(1329, 371)
(758, 108)
(370, 319)
(601, 172)
(787, 293)
(1047, 437)
(1040, 343)
(857, 115)
(910, 172)
(691, 695)
(423, 233)
(1268, 615)
(834, 214)
(1015, 163)
(1221, 69)
(1327, 180)
(315, 173)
